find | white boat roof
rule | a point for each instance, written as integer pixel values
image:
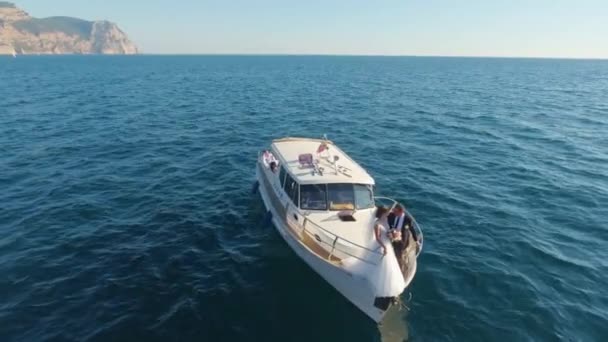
(288, 150)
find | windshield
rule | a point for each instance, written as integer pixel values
(313, 197)
(346, 196)
(364, 196)
(349, 196)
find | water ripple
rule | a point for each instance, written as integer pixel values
(126, 211)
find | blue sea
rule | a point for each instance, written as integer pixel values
(126, 210)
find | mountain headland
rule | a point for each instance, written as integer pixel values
(21, 33)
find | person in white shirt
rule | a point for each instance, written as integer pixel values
(270, 161)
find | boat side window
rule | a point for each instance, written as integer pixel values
(313, 197)
(282, 174)
(291, 189)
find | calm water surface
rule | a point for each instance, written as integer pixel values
(126, 212)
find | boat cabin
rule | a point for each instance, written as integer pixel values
(317, 175)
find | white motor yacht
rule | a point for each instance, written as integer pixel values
(322, 204)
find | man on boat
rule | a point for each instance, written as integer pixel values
(402, 223)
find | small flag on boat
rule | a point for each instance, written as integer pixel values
(322, 147)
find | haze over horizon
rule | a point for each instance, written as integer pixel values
(543, 28)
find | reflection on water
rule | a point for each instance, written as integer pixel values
(394, 325)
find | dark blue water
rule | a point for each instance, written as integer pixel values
(126, 212)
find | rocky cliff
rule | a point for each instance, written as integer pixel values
(22, 34)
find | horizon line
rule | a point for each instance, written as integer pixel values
(218, 54)
(262, 54)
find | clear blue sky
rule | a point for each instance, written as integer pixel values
(531, 28)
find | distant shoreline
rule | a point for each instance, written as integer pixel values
(309, 55)
(356, 55)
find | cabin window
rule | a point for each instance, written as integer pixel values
(291, 189)
(341, 196)
(349, 196)
(282, 174)
(295, 194)
(364, 196)
(313, 197)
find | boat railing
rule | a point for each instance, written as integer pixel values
(335, 247)
(392, 204)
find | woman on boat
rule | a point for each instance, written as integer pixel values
(389, 279)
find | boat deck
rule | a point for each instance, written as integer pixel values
(342, 170)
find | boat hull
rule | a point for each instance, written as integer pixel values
(356, 289)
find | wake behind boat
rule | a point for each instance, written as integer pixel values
(322, 203)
